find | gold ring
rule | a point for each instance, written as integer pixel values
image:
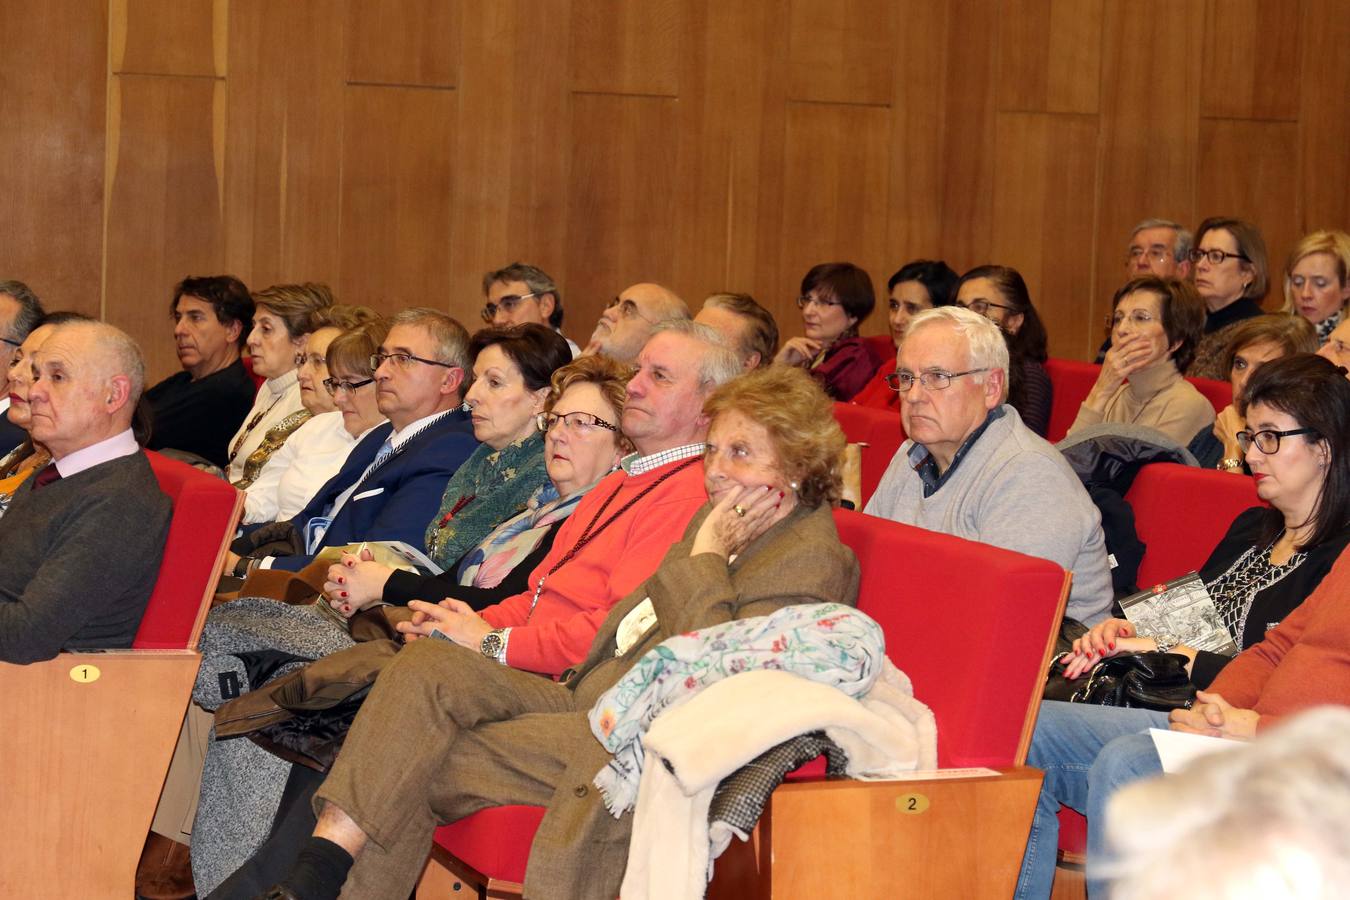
(739, 510)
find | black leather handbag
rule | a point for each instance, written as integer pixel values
(1149, 680)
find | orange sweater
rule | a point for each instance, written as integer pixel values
(1304, 661)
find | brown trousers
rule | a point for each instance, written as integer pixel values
(485, 735)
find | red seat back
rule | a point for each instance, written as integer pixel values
(880, 431)
(1071, 380)
(1218, 393)
(970, 624)
(205, 512)
(881, 347)
(1181, 512)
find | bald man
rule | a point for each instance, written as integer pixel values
(80, 546)
(630, 319)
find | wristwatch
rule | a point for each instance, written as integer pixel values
(1233, 464)
(493, 646)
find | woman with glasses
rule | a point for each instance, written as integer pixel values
(1317, 281)
(1155, 326)
(1231, 276)
(1297, 443)
(284, 315)
(835, 298)
(1000, 294)
(338, 389)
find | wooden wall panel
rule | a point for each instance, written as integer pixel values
(163, 203)
(510, 173)
(284, 141)
(53, 106)
(621, 204)
(1251, 59)
(169, 37)
(1249, 170)
(409, 42)
(1049, 55)
(1324, 127)
(834, 199)
(397, 171)
(619, 47)
(1149, 135)
(1043, 207)
(841, 51)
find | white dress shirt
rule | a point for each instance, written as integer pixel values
(310, 457)
(106, 450)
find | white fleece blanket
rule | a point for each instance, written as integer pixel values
(691, 748)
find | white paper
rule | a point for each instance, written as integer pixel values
(1178, 748)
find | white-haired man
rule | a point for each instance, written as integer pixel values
(971, 467)
(72, 574)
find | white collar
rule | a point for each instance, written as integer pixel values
(106, 450)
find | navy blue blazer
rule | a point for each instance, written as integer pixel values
(398, 500)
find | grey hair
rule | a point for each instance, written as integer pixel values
(987, 346)
(120, 355)
(761, 331)
(536, 279)
(1184, 239)
(719, 364)
(452, 340)
(30, 308)
(1264, 816)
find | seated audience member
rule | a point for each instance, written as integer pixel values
(1158, 247)
(834, 300)
(284, 315)
(971, 468)
(616, 539)
(1260, 574)
(1231, 276)
(390, 484)
(199, 409)
(1317, 280)
(20, 312)
(1271, 820)
(335, 355)
(916, 286)
(1337, 347)
(999, 294)
(631, 317)
(749, 328)
(1254, 342)
(1155, 326)
(489, 735)
(59, 588)
(520, 294)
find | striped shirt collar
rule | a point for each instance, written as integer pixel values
(637, 464)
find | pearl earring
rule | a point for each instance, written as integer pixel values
(794, 485)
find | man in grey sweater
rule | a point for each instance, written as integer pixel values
(81, 544)
(972, 469)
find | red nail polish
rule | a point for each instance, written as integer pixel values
(342, 593)
(341, 580)
(1113, 645)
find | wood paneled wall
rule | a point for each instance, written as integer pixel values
(400, 148)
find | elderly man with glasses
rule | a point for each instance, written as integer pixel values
(520, 294)
(972, 469)
(391, 484)
(631, 317)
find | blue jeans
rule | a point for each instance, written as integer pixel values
(1087, 753)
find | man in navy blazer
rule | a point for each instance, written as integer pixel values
(391, 484)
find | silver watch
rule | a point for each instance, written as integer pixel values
(493, 646)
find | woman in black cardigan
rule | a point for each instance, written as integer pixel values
(1297, 443)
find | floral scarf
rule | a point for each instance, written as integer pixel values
(489, 488)
(500, 552)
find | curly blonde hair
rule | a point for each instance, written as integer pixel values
(607, 374)
(791, 406)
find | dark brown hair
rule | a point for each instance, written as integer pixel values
(1183, 313)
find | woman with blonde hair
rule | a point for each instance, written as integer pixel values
(1317, 280)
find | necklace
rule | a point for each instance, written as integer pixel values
(252, 424)
(591, 532)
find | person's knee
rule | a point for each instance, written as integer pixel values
(1123, 760)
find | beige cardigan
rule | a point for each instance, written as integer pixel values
(1156, 397)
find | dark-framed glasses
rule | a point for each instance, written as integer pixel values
(336, 384)
(936, 380)
(575, 422)
(506, 304)
(1215, 257)
(404, 360)
(1152, 254)
(982, 307)
(13, 343)
(1268, 442)
(806, 300)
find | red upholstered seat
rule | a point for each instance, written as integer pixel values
(881, 345)
(1073, 380)
(495, 842)
(880, 430)
(1218, 393)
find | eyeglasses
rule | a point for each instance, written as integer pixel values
(506, 304)
(1268, 442)
(807, 299)
(334, 385)
(575, 422)
(404, 360)
(1154, 254)
(982, 307)
(934, 381)
(314, 359)
(628, 309)
(13, 343)
(1138, 317)
(1215, 257)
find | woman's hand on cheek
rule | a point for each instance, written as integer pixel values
(739, 517)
